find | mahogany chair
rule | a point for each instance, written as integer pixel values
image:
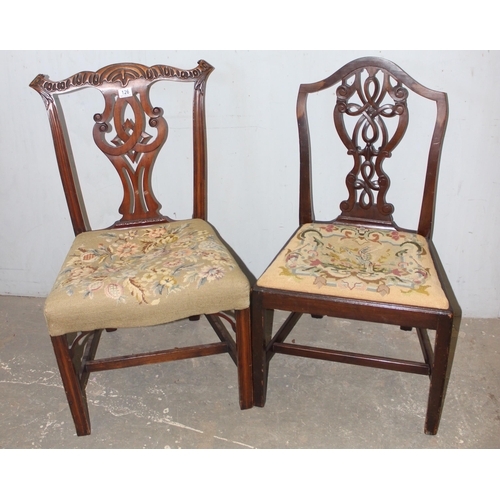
(361, 265)
(145, 269)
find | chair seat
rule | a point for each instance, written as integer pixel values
(144, 276)
(359, 263)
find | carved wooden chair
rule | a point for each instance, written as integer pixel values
(361, 265)
(146, 269)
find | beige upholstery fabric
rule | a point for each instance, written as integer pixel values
(145, 276)
(359, 263)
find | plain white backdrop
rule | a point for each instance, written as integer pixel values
(253, 159)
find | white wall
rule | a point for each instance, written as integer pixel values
(253, 159)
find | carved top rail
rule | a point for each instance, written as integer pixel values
(130, 131)
(371, 117)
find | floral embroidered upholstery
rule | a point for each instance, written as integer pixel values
(359, 263)
(144, 276)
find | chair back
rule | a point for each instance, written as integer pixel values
(371, 117)
(130, 131)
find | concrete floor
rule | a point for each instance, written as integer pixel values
(193, 404)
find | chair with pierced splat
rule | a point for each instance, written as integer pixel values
(361, 265)
(146, 269)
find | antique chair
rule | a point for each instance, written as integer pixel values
(146, 269)
(361, 265)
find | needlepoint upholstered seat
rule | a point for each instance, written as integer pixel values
(143, 277)
(147, 268)
(385, 265)
(362, 265)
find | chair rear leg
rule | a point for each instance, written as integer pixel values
(262, 322)
(444, 351)
(244, 355)
(71, 382)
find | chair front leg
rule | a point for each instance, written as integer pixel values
(444, 351)
(244, 356)
(72, 386)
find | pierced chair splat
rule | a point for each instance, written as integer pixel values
(362, 265)
(146, 269)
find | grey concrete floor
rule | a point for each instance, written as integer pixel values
(193, 404)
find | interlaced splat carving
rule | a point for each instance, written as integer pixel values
(370, 99)
(132, 150)
(130, 131)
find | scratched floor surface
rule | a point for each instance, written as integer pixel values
(193, 404)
